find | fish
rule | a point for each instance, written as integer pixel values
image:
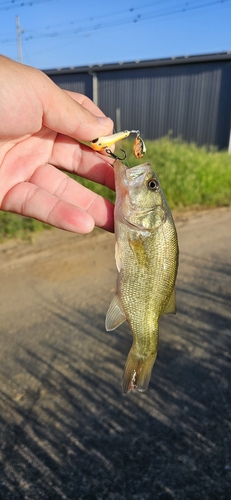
(146, 255)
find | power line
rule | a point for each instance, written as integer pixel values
(14, 4)
(81, 30)
(138, 19)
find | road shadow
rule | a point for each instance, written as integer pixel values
(68, 433)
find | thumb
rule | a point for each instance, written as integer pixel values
(65, 115)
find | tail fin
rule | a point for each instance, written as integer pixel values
(137, 372)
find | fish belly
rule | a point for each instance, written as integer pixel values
(144, 286)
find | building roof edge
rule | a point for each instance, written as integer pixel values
(149, 63)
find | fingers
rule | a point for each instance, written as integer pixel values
(69, 155)
(85, 102)
(67, 189)
(34, 201)
(64, 114)
(49, 197)
(33, 100)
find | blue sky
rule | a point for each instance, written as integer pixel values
(58, 33)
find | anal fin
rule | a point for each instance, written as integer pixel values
(115, 315)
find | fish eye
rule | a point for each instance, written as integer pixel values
(153, 185)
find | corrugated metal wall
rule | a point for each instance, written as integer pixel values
(81, 82)
(192, 101)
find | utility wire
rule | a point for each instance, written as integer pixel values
(13, 4)
(81, 30)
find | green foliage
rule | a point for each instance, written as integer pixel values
(97, 188)
(16, 226)
(190, 177)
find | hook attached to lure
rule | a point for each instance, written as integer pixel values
(102, 144)
(116, 157)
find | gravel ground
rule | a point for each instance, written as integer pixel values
(66, 431)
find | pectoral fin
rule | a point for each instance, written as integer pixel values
(171, 305)
(115, 315)
(117, 256)
(139, 251)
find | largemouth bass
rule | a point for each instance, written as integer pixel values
(146, 254)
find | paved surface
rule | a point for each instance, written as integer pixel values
(66, 431)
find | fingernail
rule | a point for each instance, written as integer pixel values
(104, 120)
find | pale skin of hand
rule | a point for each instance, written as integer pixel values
(40, 126)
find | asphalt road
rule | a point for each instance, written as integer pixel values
(66, 430)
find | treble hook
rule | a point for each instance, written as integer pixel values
(109, 152)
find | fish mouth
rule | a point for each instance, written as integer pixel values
(124, 174)
(120, 171)
(135, 172)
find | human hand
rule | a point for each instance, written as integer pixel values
(39, 128)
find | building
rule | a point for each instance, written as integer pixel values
(187, 96)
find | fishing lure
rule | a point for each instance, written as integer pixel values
(139, 147)
(103, 144)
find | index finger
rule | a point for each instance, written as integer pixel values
(70, 155)
(64, 114)
(86, 103)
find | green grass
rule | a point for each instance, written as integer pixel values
(97, 188)
(190, 177)
(16, 226)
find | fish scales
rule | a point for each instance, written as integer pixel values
(137, 287)
(147, 259)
